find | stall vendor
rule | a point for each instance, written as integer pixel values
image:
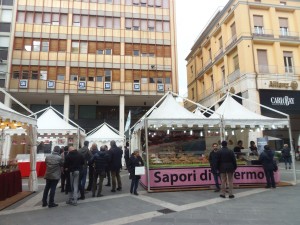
(238, 149)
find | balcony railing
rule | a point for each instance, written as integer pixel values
(261, 32)
(218, 53)
(207, 64)
(234, 76)
(290, 35)
(272, 69)
(231, 42)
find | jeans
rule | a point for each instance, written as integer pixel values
(83, 177)
(270, 177)
(101, 176)
(50, 185)
(115, 177)
(287, 160)
(216, 178)
(134, 184)
(74, 182)
(226, 179)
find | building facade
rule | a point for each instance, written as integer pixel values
(251, 48)
(6, 15)
(94, 60)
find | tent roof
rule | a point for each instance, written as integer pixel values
(51, 122)
(235, 114)
(104, 133)
(8, 113)
(170, 113)
(200, 114)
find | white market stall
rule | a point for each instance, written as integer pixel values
(236, 117)
(55, 128)
(18, 130)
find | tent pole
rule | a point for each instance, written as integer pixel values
(147, 154)
(292, 151)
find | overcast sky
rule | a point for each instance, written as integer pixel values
(191, 17)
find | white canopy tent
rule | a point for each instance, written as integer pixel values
(236, 115)
(103, 134)
(167, 112)
(52, 125)
(14, 123)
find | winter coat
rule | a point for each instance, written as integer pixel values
(87, 155)
(213, 161)
(226, 161)
(286, 152)
(54, 162)
(115, 154)
(74, 161)
(266, 158)
(132, 163)
(100, 161)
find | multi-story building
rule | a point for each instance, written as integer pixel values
(251, 48)
(94, 60)
(6, 12)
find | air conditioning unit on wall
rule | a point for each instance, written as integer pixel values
(23, 83)
(160, 87)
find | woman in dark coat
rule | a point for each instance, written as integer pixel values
(134, 161)
(266, 158)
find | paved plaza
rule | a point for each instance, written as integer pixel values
(257, 206)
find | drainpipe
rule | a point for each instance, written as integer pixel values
(253, 57)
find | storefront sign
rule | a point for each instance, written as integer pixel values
(276, 84)
(202, 176)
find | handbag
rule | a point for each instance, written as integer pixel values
(275, 166)
(139, 170)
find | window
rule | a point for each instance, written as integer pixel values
(152, 80)
(160, 80)
(45, 46)
(76, 20)
(6, 15)
(192, 69)
(283, 24)
(82, 78)
(4, 27)
(75, 47)
(258, 24)
(108, 51)
(43, 74)
(136, 52)
(220, 43)
(233, 30)
(34, 75)
(107, 74)
(36, 46)
(60, 77)
(236, 62)
(100, 52)
(212, 82)
(168, 80)
(262, 61)
(282, 2)
(47, 18)
(7, 2)
(99, 79)
(209, 53)
(288, 62)
(4, 41)
(73, 77)
(25, 74)
(16, 75)
(83, 47)
(55, 19)
(90, 78)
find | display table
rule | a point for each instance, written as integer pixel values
(24, 167)
(10, 184)
(193, 177)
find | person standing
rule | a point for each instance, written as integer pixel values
(73, 164)
(115, 166)
(253, 148)
(94, 150)
(85, 152)
(134, 161)
(213, 165)
(226, 165)
(266, 158)
(54, 163)
(286, 155)
(100, 161)
(108, 184)
(126, 156)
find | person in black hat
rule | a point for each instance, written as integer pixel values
(266, 158)
(226, 164)
(54, 162)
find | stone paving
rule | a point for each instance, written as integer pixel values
(251, 206)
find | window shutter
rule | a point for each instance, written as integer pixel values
(128, 76)
(61, 70)
(159, 26)
(109, 22)
(262, 57)
(84, 21)
(128, 49)
(4, 41)
(165, 4)
(38, 18)
(233, 30)
(144, 25)
(53, 45)
(128, 23)
(29, 17)
(18, 44)
(283, 22)
(62, 45)
(258, 21)
(117, 23)
(93, 21)
(47, 18)
(52, 73)
(167, 51)
(92, 47)
(116, 49)
(63, 19)
(116, 75)
(6, 15)
(166, 26)
(91, 72)
(288, 54)
(160, 51)
(21, 17)
(144, 49)
(101, 22)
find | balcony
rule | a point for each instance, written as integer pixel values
(207, 64)
(231, 42)
(288, 35)
(277, 70)
(218, 54)
(234, 76)
(262, 33)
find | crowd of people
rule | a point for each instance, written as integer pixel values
(73, 166)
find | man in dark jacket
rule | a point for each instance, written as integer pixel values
(115, 165)
(213, 165)
(73, 164)
(85, 152)
(266, 158)
(94, 150)
(226, 164)
(100, 162)
(126, 156)
(286, 155)
(54, 163)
